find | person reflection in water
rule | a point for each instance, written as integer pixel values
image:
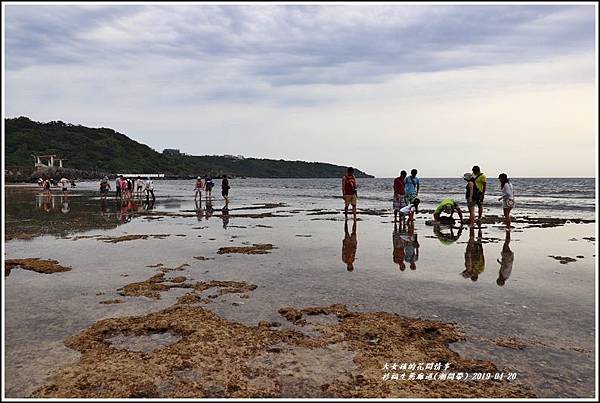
(65, 204)
(474, 259)
(506, 261)
(411, 246)
(225, 217)
(46, 202)
(398, 243)
(349, 245)
(447, 238)
(209, 208)
(148, 204)
(104, 208)
(199, 211)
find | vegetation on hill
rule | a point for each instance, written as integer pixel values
(105, 150)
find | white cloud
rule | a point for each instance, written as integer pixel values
(370, 86)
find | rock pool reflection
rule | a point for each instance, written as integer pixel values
(506, 260)
(474, 258)
(349, 245)
(447, 237)
(398, 244)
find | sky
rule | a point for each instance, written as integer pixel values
(382, 87)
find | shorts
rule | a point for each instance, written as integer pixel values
(225, 193)
(399, 202)
(104, 190)
(350, 199)
(410, 197)
(64, 189)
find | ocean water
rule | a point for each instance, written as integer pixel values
(549, 305)
(537, 197)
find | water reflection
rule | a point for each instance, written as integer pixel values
(225, 217)
(148, 204)
(506, 260)
(448, 235)
(398, 242)
(209, 208)
(199, 210)
(411, 246)
(45, 202)
(64, 200)
(349, 245)
(474, 259)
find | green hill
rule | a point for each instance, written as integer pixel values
(105, 150)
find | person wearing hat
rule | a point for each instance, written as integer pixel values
(448, 206)
(198, 189)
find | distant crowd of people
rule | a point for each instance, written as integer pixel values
(47, 183)
(406, 197)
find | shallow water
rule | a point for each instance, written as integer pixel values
(547, 304)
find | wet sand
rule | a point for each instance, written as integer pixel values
(145, 317)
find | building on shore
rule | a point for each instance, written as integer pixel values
(43, 162)
(171, 152)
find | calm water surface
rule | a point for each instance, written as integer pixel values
(467, 278)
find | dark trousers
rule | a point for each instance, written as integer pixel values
(148, 193)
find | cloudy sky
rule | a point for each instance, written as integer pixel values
(381, 87)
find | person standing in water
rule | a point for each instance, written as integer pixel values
(198, 190)
(349, 192)
(508, 198)
(64, 183)
(412, 186)
(208, 185)
(225, 189)
(472, 195)
(399, 194)
(150, 190)
(139, 187)
(118, 187)
(480, 184)
(46, 185)
(104, 187)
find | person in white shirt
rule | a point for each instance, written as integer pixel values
(64, 182)
(139, 187)
(409, 211)
(150, 189)
(508, 198)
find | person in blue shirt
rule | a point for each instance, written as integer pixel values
(411, 186)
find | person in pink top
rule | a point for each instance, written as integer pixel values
(123, 186)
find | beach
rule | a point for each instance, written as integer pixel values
(165, 300)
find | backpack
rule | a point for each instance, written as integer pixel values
(476, 191)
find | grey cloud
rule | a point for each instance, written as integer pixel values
(241, 53)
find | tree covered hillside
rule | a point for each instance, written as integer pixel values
(105, 150)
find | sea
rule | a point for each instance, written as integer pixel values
(521, 288)
(535, 197)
